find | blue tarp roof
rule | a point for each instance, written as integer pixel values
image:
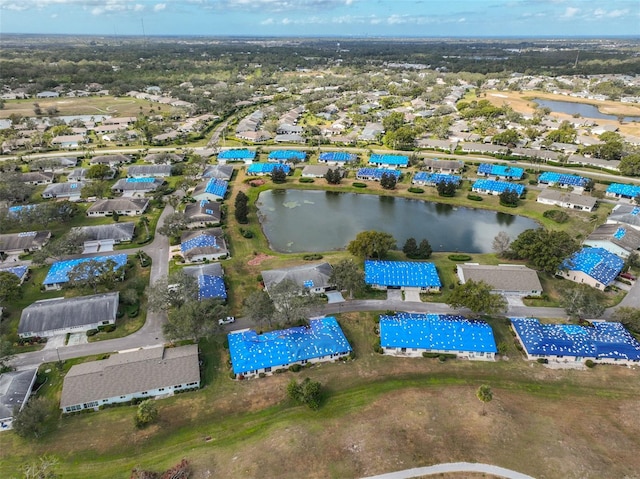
(620, 232)
(140, 180)
(211, 287)
(287, 155)
(399, 160)
(498, 186)
(266, 168)
(19, 271)
(241, 154)
(597, 263)
(436, 331)
(60, 269)
(337, 156)
(603, 340)
(203, 240)
(377, 172)
(251, 351)
(401, 273)
(217, 187)
(435, 178)
(501, 170)
(558, 178)
(629, 191)
(19, 208)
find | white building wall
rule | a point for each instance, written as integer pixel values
(417, 353)
(61, 331)
(270, 370)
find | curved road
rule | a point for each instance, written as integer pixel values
(452, 467)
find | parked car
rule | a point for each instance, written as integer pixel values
(227, 320)
(628, 276)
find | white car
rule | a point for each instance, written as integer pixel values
(227, 320)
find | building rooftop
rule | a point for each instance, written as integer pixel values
(223, 172)
(19, 271)
(267, 168)
(377, 172)
(26, 240)
(211, 287)
(436, 331)
(251, 351)
(58, 273)
(306, 276)
(435, 178)
(561, 179)
(401, 273)
(630, 191)
(285, 155)
(398, 160)
(119, 204)
(601, 340)
(337, 156)
(121, 231)
(504, 277)
(498, 186)
(501, 170)
(239, 154)
(567, 197)
(598, 263)
(15, 388)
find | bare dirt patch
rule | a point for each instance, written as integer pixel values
(256, 260)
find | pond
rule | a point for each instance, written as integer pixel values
(585, 110)
(297, 221)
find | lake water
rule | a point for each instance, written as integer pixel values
(585, 110)
(297, 221)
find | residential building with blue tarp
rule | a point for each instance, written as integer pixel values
(418, 275)
(596, 267)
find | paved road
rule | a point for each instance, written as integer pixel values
(452, 467)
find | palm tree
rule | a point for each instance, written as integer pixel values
(485, 395)
(144, 222)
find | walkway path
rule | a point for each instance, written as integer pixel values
(452, 467)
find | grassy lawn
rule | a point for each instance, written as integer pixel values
(97, 105)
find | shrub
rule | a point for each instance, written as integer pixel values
(232, 375)
(415, 190)
(442, 358)
(92, 332)
(279, 371)
(246, 233)
(558, 216)
(474, 197)
(589, 363)
(109, 328)
(459, 257)
(352, 355)
(306, 180)
(357, 184)
(378, 349)
(133, 313)
(543, 360)
(312, 257)
(295, 368)
(262, 375)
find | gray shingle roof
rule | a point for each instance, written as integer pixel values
(26, 241)
(124, 185)
(129, 373)
(567, 197)
(118, 231)
(63, 189)
(119, 204)
(625, 237)
(149, 170)
(625, 214)
(61, 313)
(110, 159)
(15, 387)
(319, 273)
(211, 269)
(224, 172)
(207, 211)
(503, 277)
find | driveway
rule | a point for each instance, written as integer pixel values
(55, 342)
(412, 295)
(453, 467)
(394, 295)
(334, 297)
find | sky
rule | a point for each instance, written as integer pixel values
(342, 18)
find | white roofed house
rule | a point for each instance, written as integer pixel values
(221, 172)
(314, 277)
(506, 279)
(111, 160)
(566, 199)
(104, 237)
(69, 141)
(122, 377)
(122, 206)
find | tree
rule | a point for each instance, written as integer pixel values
(13, 190)
(194, 319)
(630, 165)
(172, 291)
(129, 296)
(43, 468)
(507, 138)
(509, 197)
(173, 225)
(6, 355)
(307, 392)
(346, 275)
(393, 121)
(403, 138)
(477, 296)
(333, 177)
(292, 304)
(30, 422)
(368, 244)
(93, 273)
(545, 250)
(99, 188)
(242, 208)
(485, 395)
(9, 287)
(446, 188)
(99, 172)
(410, 247)
(424, 250)
(629, 317)
(258, 307)
(144, 222)
(581, 301)
(565, 133)
(388, 181)
(501, 243)
(146, 413)
(69, 244)
(278, 175)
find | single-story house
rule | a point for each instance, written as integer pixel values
(389, 161)
(210, 280)
(445, 145)
(140, 374)
(620, 190)
(551, 178)
(337, 157)
(164, 158)
(447, 167)
(211, 190)
(371, 131)
(221, 172)
(593, 266)
(20, 271)
(625, 214)
(57, 316)
(136, 187)
(473, 147)
(292, 138)
(617, 239)
(56, 165)
(25, 242)
(37, 178)
(253, 353)
(257, 136)
(500, 171)
(203, 213)
(375, 174)
(492, 187)
(68, 141)
(78, 174)
(282, 156)
(601, 342)
(104, 237)
(432, 179)
(411, 334)
(58, 273)
(68, 190)
(111, 160)
(264, 169)
(149, 171)
(15, 389)
(203, 244)
(122, 206)
(507, 279)
(288, 129)
(317, 171)
(566, 199)
(405, 275)
(314, 277)
(244, 155)
(613, 165)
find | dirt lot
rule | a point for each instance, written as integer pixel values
(107, 105)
